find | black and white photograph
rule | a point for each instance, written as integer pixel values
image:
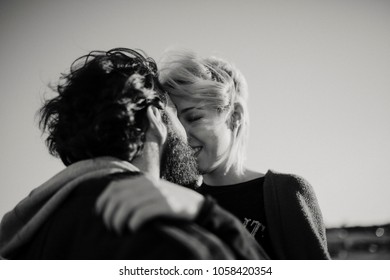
(195, 130)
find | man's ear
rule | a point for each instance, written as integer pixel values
(157, 131)
(237, 116)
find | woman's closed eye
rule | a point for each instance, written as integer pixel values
(193, 118)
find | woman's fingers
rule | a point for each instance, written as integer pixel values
(119, 188)
(149, 211)
(108, 212)
(102, 200)
(125, 211)
(122, 197)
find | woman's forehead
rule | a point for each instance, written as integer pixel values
(185, 104)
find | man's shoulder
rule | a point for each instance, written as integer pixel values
(75, 231)
(94, 186)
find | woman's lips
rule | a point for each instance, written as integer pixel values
(197, 150)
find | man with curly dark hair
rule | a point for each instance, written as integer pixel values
(109, 123)
(101, 110)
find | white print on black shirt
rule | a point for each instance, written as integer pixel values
(254, 226)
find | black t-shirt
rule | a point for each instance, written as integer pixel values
(246, 201)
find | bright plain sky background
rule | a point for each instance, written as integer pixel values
(318, 74)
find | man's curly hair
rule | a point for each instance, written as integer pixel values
(101, 106)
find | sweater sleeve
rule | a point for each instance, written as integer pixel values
(294, 218)
(229, 229)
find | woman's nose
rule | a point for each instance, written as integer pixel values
(186, 128)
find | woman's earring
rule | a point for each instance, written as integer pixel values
(234, 125)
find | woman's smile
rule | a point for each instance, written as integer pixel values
(197, 150)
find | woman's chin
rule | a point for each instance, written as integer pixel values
(205, 168)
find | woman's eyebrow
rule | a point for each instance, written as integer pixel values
(185, 110)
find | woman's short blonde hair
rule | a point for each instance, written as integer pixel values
(213, 83)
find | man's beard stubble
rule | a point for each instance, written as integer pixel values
(178, 163)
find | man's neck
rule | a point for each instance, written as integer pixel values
(149, 161)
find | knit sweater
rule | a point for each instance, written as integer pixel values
(294, 218)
